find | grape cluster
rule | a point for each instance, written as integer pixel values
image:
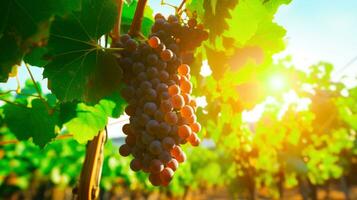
(162, 112)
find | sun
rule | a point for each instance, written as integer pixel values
(277, 82)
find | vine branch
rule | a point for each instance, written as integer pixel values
(115, 35)
(37, 88)
(138, 18)
(181, 6)
(13, 103)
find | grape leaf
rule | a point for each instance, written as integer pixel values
(113, 105)
(33, 122)
(274, 5)
(83, 121)
(215, 17)
(23, 24)
(36, 57)
(79, 68)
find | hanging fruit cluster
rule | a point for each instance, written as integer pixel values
(157, 89)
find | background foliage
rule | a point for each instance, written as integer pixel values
(307, 132)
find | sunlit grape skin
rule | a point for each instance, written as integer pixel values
(161, 110)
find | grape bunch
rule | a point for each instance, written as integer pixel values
(162, 112)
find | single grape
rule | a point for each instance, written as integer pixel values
(130, 45)
(124, 150)
(176, 151)
(164, 76)
(152, 59)
(183, 69)
(145, 85)
(161, 65)
(159, 116)
(196, 127)
(186, 111)
(156, 166)
(136, 165)
(166, 55)
(168, 143)
(177, 101)
(166, 106)
(187, 98)
(174, 89)
(173, 164)
(130, 110)
(165, 157)
(176, 78)
(142, 76)
(181, 157)
(154, 179)
(165, 96)
(151, 127)
(192, 119)
(164, 129)
(166, 175)
(155, 147)
(186, 87)
(124, 38)
(161, 87)
(194, 139)
(154, 42)
(155, 82)
(146, 138)
(151, 94)
(130, 140)
(171, 118)
(150, 108)
(152, 72)
(143, 119)
(184, 131)
(127, 129)
(138, 67)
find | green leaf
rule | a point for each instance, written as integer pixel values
(84, 122)
(34, 122)
(113, 105)
(245, 20)
(10, 55)
(37, 57)
(216, 15)
(79, 68)
(23, 24)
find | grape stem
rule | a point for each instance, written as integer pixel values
(168, 4)
(135, 27)
(181, 6)
(113, 49)
(37, 88)
(115, 35)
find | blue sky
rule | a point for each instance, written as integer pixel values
(316, 30)
(321, 30)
